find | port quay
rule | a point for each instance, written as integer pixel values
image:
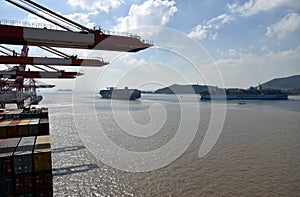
(90, 106)
(25, 148)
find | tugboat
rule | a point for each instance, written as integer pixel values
(125, 94)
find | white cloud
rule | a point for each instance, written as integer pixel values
(252, 7)
(232, 52)
(82, 18)
(34, 20)
(198, 32)
(126, 60)
(266, 50)
(201, 31)
(150, 13)
(288, 24)
(248, 69)
(214, 36)
(220, 20)
(96, 5)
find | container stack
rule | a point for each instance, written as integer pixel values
(25, 153)
(42, 166)
(32, 122)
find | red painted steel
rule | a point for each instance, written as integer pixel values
(11, 36)
(68, 39)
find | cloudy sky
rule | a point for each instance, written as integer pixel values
(196, 41)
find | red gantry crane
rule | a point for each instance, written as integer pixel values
(17, 83)
(72, 35)
(14, 86)
(68, 35)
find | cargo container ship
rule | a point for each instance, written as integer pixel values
(250, 94)
(125, 94)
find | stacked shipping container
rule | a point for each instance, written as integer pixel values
(42, 166)
(22, 160)
(7, 148)
(24, 123)
(25, 154)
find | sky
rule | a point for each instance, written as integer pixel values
(225, 43)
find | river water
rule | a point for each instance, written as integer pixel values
(256, 153)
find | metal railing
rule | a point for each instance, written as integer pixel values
(77, 57)
(28, 24)
(126, 34)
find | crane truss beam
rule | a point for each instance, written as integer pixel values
(51, 61)
(39, 74)
(67, 39)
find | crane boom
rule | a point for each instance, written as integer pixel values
(39, 74)
(51, 61)
(67, 39)
(82, 37)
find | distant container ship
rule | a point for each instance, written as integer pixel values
(125, 94)
(250, 94)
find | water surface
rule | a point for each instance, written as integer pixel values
(257, 153)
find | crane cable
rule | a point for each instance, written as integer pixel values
(60, 17)
(49, 14)
(37, 14)
(46, 12)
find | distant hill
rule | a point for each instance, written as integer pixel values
(290, 85)
(182, 89)
(292, 82)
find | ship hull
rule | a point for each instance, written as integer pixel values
(246, 97)
(123, 94)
